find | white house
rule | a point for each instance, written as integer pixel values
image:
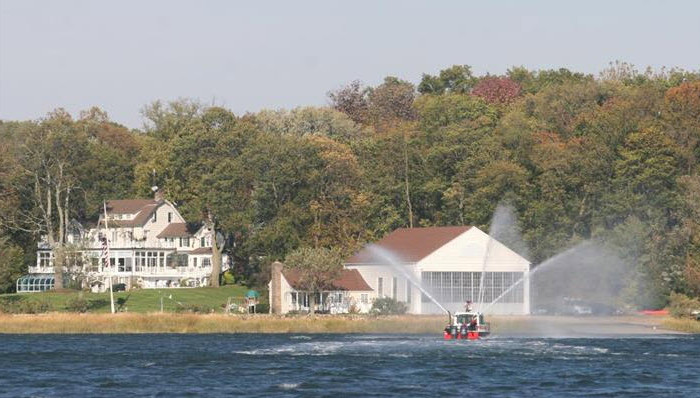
(347, 293)
(447, 262)
(150, 246)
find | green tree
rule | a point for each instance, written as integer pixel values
(317, 268)
(11, 265)
(455, 79)
(43, 181)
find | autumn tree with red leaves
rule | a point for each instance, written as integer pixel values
(497, 90)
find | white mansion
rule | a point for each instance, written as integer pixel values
(150, 246)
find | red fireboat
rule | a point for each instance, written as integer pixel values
(468, 325)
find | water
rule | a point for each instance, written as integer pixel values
(345, 365)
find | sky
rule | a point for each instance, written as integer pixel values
(251, 55)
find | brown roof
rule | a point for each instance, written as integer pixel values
(128, 206)
(145, 214)
(141, 218)
(349, 279)
(409, 244)
(175, 230)
(201, 250)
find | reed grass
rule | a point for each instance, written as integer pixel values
(73, 323)
(216, 323)
(682, 325)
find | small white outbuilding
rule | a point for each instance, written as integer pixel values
(447, 263)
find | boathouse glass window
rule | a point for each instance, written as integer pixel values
(458, 287)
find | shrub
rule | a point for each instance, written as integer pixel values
(228, 278)
(22, 305)
(388, 306)
(262, 308)
(78, 304)
(195, 309)
(34, 307)
(682, 306)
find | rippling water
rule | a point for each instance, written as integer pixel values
(345, 366)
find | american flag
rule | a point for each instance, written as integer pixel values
(104, 255)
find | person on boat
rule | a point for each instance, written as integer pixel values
(472, 324)
(468, 306)
(463, 329)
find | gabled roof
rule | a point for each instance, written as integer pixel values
(410, 245)
(349, 279)
(143, 213)
(175, 230)
(127, 206)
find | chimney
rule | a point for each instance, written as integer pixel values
(276, 288)
(158, 194)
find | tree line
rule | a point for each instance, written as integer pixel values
(612, 157)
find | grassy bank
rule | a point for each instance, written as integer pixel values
(215, 323)
(140, 301)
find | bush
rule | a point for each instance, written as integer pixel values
(78, 304)
(21, 305)
(34, 307)
(195, 309)
(388, 306)
(262, 308)
(682, 306)
(228, 278)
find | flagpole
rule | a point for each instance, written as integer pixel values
(109, 265)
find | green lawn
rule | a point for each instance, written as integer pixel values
(142, 300)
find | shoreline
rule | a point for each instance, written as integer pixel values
(507, 326)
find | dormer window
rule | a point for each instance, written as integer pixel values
(170, 217)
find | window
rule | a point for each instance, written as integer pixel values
(364, 298)
(45, 259)
(380, 287)
(184, 242)
(121, 265)
(155, 216)
(201, 242)
(394, 288)
(408, 291)
(194, 261)
(456, 287)
(170, 217)
(206, 262)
